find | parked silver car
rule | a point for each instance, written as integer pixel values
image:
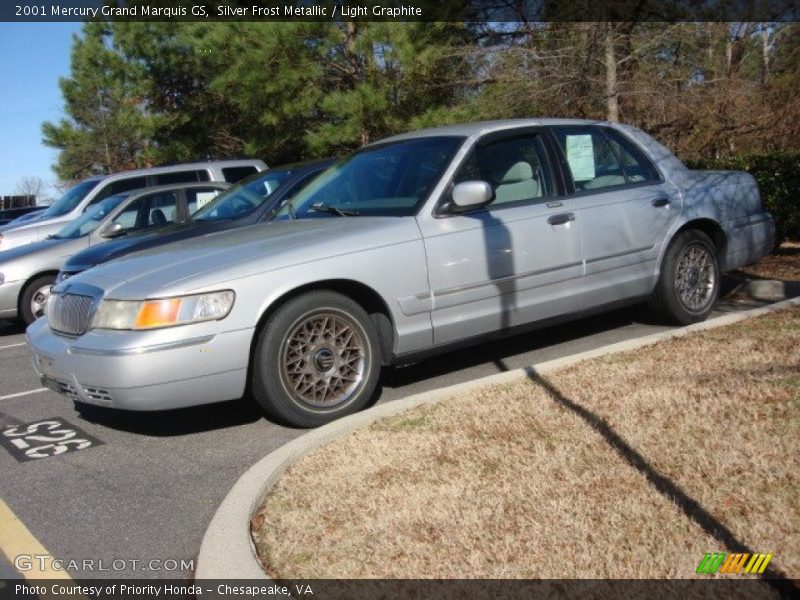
(94, 189)
(27, 272)
(412, 245)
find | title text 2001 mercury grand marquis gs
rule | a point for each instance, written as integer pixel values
(411, 245)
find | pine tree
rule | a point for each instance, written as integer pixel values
(107, 127)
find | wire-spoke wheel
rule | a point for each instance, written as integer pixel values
(689, 281)
(34, 298)
(323, 359)
(316, 360)
(695, 277)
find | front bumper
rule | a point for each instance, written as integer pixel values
(9, 298)
(156, 370)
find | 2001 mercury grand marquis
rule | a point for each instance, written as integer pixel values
(411, 245)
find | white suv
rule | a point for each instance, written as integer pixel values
(90, 191)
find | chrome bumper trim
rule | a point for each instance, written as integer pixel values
(141, 349)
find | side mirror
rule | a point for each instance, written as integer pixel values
(471, 194)
(112, 230)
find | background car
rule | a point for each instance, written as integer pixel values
(413, 245)
(27, 272)
(20, 215)
(92, 190)
(250, 201)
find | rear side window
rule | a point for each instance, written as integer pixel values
(197, 198)
(635, 164)
(598, 161)
(234, 174)
(182, 177)
(122, 185)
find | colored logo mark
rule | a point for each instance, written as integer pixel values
(742, 563)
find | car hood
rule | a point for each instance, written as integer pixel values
(48, 255)
(30, 225)
(216, 258)
(105, 251)
(26, 250)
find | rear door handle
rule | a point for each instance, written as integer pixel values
(657, 202)
(560, 219)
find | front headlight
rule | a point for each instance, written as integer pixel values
(62, 276)
(163, 312)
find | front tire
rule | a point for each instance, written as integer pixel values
(34, 297)
(317, 359)
(688, 285)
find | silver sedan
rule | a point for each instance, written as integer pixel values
(27, 272)
(413, 245)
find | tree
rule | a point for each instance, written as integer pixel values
(32, 186)
(107, 127)
(147, 92)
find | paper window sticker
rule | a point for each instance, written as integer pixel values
(580, 156)
(204, 198)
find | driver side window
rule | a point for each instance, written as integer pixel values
(516, 169)
(149, 211)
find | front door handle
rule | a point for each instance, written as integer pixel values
(560, 219)
(657, 202)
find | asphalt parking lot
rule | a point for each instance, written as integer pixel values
(138, 497)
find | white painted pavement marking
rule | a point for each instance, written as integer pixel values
(18, 394)
(12, 346)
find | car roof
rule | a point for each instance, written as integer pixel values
(154, 189)
(482, 127)
(200, 164)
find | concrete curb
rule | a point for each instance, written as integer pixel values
(767, 289)
(227, 550)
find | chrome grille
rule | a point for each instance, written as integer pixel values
(69, 313)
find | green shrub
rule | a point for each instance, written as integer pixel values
(778, 177)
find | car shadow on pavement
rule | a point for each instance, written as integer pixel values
(549, 336)
(10, 328)
(172, 423)
(513, 345)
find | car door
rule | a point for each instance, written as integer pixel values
(626, 209)
(514, 261)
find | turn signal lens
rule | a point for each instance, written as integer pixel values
(158, 313)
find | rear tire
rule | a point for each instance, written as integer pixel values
(34, 297)
(317, 359)
(688, 285)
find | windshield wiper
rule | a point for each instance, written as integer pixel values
(332, 210)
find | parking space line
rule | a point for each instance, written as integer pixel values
(16, 540)
(18, 394)
(12, 346)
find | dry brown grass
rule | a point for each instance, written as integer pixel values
(783, 265)
(528, 480)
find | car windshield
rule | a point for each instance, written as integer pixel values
(244, 197)
(91, 219)
(70, 199)
(392, 179)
